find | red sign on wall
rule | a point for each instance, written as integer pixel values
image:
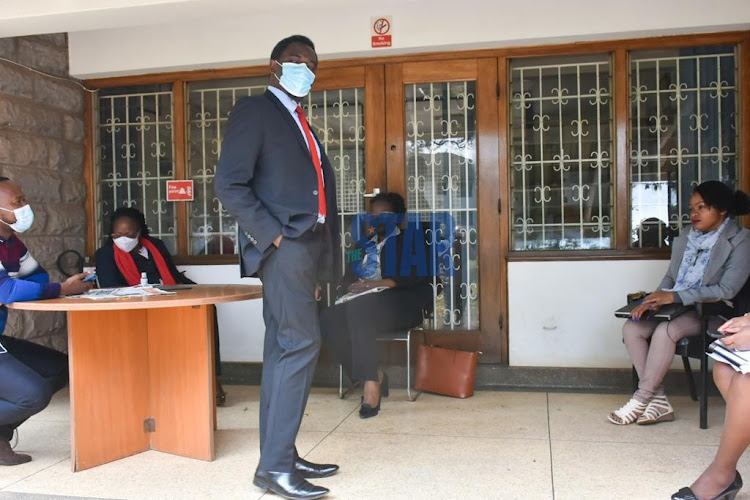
(179, 190)
(380, 32)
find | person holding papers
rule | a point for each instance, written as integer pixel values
(710, 261)
(379, 302)
(131, 251)
(721, 479)
(29, 373)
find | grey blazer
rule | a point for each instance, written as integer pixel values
(266, 181)
(727, 271)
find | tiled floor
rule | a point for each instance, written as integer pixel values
(495, 445)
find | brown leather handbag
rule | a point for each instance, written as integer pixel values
(446, 371)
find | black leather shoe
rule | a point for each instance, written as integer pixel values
(309, 470)
(366, 410)
(728, 494)
(288, 485)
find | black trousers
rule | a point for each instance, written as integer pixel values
(292, 345)
(350, 329)
(29, 375)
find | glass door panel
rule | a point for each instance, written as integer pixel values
(441, 184)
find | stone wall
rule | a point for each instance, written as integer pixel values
(41, 147)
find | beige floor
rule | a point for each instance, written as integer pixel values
(495, 445)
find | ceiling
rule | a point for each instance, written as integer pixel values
(32, 17)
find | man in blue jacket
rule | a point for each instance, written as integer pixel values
(29, 374)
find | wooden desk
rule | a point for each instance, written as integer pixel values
(141, 372)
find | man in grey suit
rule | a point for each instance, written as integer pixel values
(274, 178)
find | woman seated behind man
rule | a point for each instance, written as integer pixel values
(131, 251)
(710, 260)
(350, 328)
(721, 479)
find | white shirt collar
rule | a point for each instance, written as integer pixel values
(289, 103)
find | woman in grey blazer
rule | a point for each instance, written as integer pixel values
(710, 261)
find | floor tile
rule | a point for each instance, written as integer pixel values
(7, 495)
(589, 470)
(583, 417)
(48, 443)
(486, 414)
(155, 475)
(323, 413)
(495, 445)
(387, 466)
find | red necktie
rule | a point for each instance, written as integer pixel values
(315, 160)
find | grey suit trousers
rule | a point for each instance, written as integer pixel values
(292, 345)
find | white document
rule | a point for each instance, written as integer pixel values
(118, 293)
(351, 295)
(739, 360)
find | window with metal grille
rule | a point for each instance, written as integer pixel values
(561, 153)
(135, 157)
(683, 131)
(212, 230)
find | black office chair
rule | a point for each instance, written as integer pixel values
(696, 347)
(407, 337)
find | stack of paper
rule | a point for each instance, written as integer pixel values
(352, 295)
(739, 360)
(127, 291)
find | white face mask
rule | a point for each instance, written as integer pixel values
(24, 218)
(126, 244)
(296, 78)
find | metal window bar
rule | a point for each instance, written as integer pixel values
(131, 160)
(677, 162)
(541, 211)
(212, 230)
(441, 178)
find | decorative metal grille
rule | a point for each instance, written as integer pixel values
(441, 174)
(683, 132)
(212, 230)
(338, 119)
(135, 157)
(561, 154)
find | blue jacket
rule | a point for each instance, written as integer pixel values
(21, 277)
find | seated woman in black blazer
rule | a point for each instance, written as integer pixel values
(350, 328)
(129, 252)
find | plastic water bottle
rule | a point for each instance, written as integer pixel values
(144, 279)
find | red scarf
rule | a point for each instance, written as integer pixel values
(129, 270)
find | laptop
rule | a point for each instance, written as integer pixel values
(664, 313)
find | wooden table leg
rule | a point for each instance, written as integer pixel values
(182, 400)
(109, 396)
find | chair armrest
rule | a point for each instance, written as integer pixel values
(713, 307)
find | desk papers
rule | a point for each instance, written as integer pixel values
(739, 360)
(352, 295)
(123, 292)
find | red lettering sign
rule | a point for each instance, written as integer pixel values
(380, 32)
(179, 190)
(381, 41)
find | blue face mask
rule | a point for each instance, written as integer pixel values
(296, 78)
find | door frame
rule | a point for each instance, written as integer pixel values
(491, 337)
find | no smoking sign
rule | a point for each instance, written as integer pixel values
(381, 32)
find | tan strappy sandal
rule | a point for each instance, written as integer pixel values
(628, 414)
(658, 410)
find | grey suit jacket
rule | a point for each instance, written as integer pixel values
(727, 271)
(266, 180)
